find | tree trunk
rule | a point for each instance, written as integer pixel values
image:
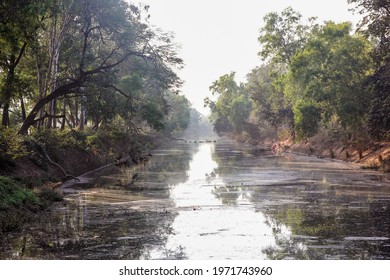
(82, 119)
(9, 83)
(64, 113)
(39, 80)
(61, 91)
(76, 112)
(8, 90)
(22, 107)
(52, 80)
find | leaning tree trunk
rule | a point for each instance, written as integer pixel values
(60, 91)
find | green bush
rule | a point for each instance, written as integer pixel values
(14, 195)
(11, 144)
(307, 118)
(58, 138)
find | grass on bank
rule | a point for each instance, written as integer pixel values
(18, 203)
(21, 192)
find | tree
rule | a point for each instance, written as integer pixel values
(376, 24)
(231, 111)
(59, 15)
(104, 36)
(327, 76)
(19, 21)
(282, 36)
(178, 118)
(270, 103)
(379, 111)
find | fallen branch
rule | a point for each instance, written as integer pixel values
(66, 175)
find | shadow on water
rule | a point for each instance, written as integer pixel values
(216, 201)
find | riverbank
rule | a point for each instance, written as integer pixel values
(57, 156)
(367, 153)
(18, 204)
(31, 181)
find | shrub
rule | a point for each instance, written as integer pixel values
(11, 144)
(14, 195)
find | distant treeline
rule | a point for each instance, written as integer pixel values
(313, 77)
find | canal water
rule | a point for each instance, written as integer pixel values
(216, 200)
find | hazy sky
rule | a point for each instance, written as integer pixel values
(220, 36)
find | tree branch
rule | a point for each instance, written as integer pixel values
(46, 115)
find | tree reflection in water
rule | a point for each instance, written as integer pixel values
(317, 209)
(108, 219)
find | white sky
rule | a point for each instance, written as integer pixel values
(220, 36)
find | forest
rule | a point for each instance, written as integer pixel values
(72, 64)
(88, 66)
(314, 78)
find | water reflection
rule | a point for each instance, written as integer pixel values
(216, 201)
(209, 224)
(317, 209)
(110, 219)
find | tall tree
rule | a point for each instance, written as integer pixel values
(103, 36)
(19, 21)
(282, 35)
(270, 103)
(376, 24)
(326, 79)
(231, 110)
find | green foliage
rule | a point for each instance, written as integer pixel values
(232, 109)
(18, 24)
(84, 63)
(17, 203)
(329, 74)
(178, 118)
(379, 114)
(13, 194)
(307, 120)
(11, 145)
(282, 35)
(314, 76)
(59, 138)
(265, 86)
(375, 24)
(152, 114)
(240, 108)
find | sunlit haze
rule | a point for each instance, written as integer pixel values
(220, 36)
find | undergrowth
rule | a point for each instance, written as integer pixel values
(18, 203)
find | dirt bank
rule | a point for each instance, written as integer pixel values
(369, 154)
(51, 162)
